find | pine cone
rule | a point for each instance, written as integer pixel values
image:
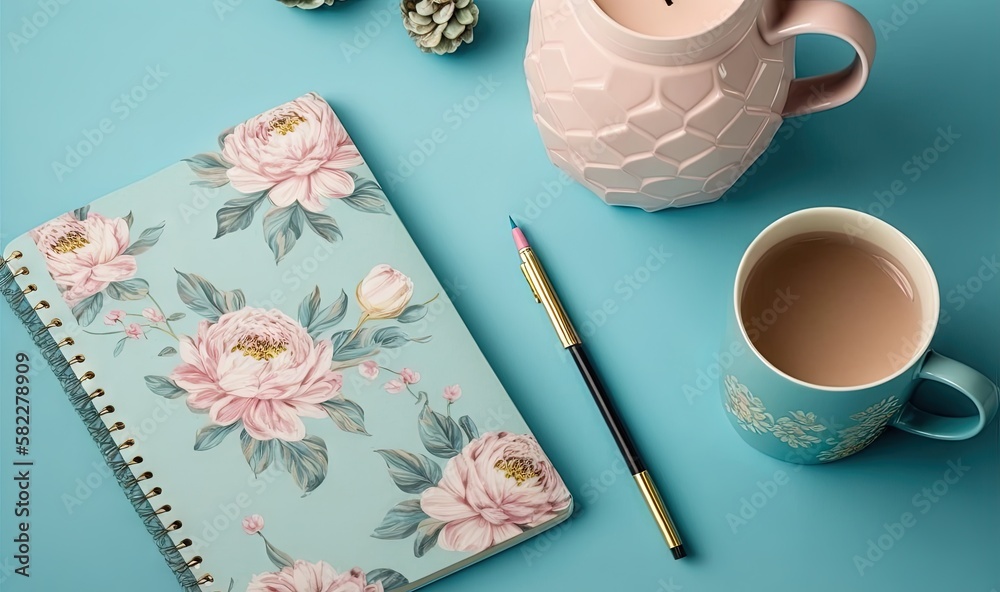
(307, 4)
(440, 26)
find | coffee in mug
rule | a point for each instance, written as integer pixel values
(848, 309)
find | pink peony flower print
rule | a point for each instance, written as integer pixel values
(452, 393)
(113, 317)
(153, 315)
(134, 331)
(394, 386)
(84, 256)
(368, 369)
(253, 524)
(260, 367)
(409, 376)
(499, 485)
(312, 577)
(298, 152)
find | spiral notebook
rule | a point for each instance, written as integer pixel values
(281, 386)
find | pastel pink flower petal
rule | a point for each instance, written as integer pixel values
(290, 190)
(258, 366)
(369, 369)
(332, 183)
(394, 386)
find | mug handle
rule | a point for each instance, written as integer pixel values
(979, 389)
(784, 19)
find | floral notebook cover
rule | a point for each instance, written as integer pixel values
(281, 385)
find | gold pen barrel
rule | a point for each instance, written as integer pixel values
(663, 521)
(544, 293)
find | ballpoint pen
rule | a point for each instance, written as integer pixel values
(544, 293)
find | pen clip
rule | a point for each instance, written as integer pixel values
(524, 270)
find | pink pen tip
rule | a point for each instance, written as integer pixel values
(519, 241)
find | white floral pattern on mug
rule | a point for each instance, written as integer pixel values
(748, 410)
(798, 429)
(871, 424)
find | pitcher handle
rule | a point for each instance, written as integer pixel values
(784, 19)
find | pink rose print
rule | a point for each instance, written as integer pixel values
(368, 369)
(394, 386)
(500, 484)
(134, 331)
(298, 152)
(113, 317)
(153, 315)
(452, 393)
(409, 376)
(84, 256)
(253, 524)
(260, 367)
(313, 577)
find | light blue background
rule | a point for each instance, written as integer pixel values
(936, 70)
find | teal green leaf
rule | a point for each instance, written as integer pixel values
(279, 558)
(469, 427)
(306, 460)
(412, 473)
(147, 239)
(412, 313)
(348, 415)
(212, 435)
(237, 214)
(210, 169)
(367, 197)
(205, 299)
(439, 433)
(401, 521)
(133, 289)
(282, 227)
(163, 386)
(427, 536)
(389, 578)
(87, 309)
(81, 213)
(259, 453)
(323, 225)
(317, 320)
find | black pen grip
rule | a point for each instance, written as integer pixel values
(603, 400)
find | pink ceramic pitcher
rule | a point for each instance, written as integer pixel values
(667, 102)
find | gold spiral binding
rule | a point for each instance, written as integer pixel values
(142, 477)
(195, 562)
(55, 322)
(173, 526)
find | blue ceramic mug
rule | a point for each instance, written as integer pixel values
(796, 421)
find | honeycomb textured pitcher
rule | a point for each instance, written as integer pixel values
(670, 110)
